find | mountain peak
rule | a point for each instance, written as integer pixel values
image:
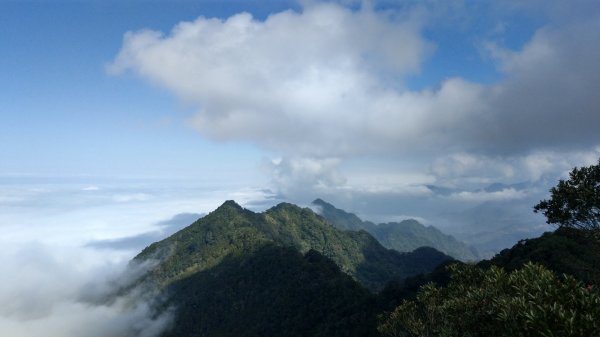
(231, 203)
(285, 206)
(231, 230)
(320, 201)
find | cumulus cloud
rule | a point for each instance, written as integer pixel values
(326, 87)
(329, 82)
(310, 83)
(546, 101)
(305, 176)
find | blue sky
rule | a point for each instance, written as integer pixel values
(62, 114)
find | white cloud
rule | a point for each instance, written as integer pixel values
(326, 85)
(329, 82)
(42, 296)
(482, 196)
(305, 176)
(546, 101)
(469, 170)
(132, 197)
(538, 164)
(54, 283)
(314, 83)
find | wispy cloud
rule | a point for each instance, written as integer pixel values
(483, 196)
(139, 241)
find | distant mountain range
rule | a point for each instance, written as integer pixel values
(404, 236)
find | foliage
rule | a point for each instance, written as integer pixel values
(288, 272)
(342, 219)
(231, 230)
(396, 292)
(283, 272)
(531, 301)
(565, 251)
(275, 291)
(575, 203)
(410, 234)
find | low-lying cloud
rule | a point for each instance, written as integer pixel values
(58, 283)
(140, 241)
(44, 293)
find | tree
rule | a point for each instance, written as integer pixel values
(575, 203)
(529, 302)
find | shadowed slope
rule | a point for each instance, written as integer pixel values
(275, 291)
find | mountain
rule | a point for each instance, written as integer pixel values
(342, 219)
(542, 286)
(283, 272)
(404, 236)
(564, 251)
(493, 226)
(231, 231)
(274, 291)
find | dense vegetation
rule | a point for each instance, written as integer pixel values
(447, 294)
(289, 272)
(404, 236)
(541, 287)
(575, 203)
(275, 291)
(565, 251)
(232, 231)
(531, 301)
(284, 272)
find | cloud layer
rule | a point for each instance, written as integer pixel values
(311, 83)
(42, 296)
(57, 283)
(329, 81)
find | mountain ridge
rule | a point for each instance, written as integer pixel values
(285, 271)
(289, 272)
(232, 230)
(406, 235)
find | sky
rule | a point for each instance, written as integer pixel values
(122, 121)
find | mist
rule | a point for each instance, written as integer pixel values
(66, 254)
